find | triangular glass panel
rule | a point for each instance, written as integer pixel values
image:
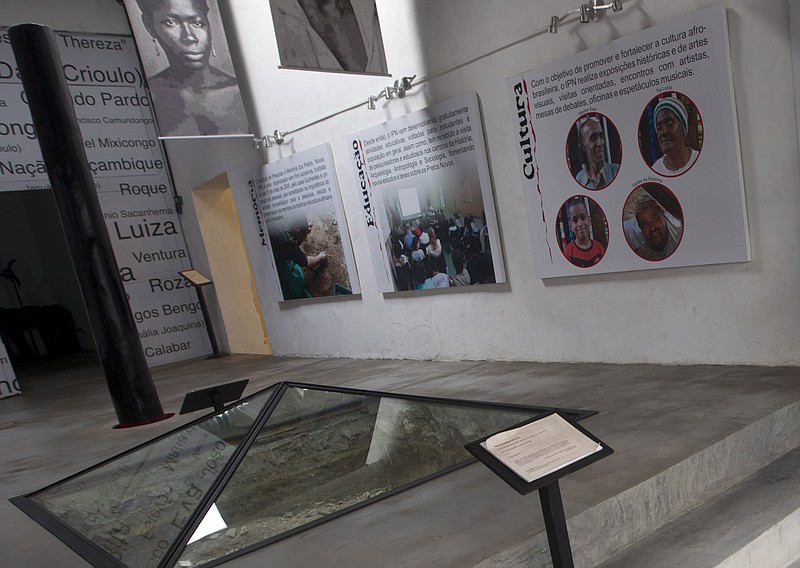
(278, 462)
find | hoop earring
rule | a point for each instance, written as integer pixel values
(213, 53)
(155, 43)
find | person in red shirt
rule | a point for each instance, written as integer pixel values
(582, 251)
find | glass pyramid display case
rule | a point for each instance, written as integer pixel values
(277, 462)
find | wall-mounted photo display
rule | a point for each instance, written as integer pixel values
(794, 38)
(652, 176)
(132, 180)
(428, 204)
(302, 227)
(329, 35)
(188, 66)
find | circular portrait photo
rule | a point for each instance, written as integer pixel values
(652, 220)
(582, 231)
(670, 134)
(594, 151)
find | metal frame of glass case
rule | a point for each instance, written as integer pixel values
(219, 436)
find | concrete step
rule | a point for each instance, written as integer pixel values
(754, 524)
(614, 525)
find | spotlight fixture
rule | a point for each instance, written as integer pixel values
(589, 12)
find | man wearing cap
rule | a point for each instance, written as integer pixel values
(595, 172)
(661, 233)
(672, 129)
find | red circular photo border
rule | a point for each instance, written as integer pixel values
(570, 132)
(643, 118)
(559, 218)
(677, 203)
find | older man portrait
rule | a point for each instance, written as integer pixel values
(597, 171)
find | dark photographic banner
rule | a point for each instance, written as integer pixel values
(629, 153)
(189, 71)
(329, 35)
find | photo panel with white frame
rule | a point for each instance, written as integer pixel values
(635, 162)
(428, 204)
(302, 228)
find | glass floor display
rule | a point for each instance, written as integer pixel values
(272, 464)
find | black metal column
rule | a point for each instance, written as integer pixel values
(124, 364)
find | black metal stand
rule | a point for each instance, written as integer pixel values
(209, 327)
(555, 521)
(215, 396)
(556, 524)
(199, 281)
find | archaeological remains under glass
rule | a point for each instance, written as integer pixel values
(266, 467)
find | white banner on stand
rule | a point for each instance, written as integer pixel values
(629, 153)
(9, 384)
(131, 177)
(794, 34)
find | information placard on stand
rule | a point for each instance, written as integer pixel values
(533, 456)
(213, 397)
(507, 473)
(198, 280)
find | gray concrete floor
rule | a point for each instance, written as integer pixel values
(653, 416)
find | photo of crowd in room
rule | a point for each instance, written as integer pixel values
(439, 237)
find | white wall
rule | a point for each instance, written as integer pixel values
(733, 314)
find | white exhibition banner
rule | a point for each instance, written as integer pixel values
(131, 177)
(302, 227)
(9, 384)
(427, 199)
(794, 33)
(629, 153)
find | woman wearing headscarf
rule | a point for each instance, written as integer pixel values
(672, 129)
